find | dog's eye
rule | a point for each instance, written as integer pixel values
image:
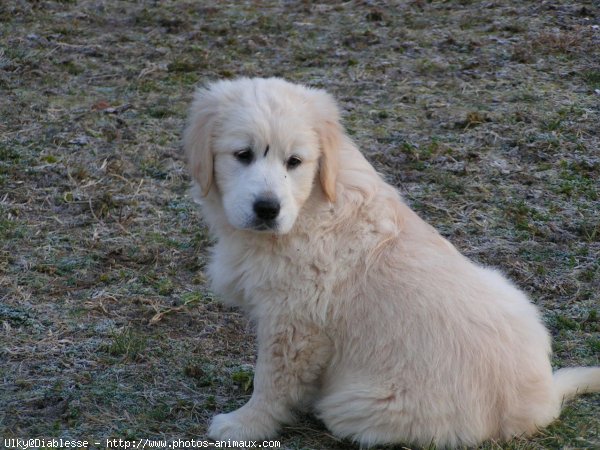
(244, 156)
(293, 161)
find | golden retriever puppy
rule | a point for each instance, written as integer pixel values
(363, 312)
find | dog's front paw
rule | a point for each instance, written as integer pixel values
(242, 425)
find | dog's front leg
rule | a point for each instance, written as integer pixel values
(290, 359)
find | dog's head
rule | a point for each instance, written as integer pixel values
(260, 144)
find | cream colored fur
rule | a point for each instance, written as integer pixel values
(364, 313)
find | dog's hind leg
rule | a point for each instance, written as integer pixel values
(371, 414)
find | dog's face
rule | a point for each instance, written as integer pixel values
(264, 170)
(259, 144)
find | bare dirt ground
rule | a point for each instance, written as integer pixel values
(485, 114)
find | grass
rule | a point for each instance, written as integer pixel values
(484, 116)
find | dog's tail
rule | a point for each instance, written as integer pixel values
(573, 381)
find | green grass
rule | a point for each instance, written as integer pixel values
(243, 377)
(127, 344)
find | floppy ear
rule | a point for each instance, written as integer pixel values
(197, 139)
(330, 141)
(330, 134)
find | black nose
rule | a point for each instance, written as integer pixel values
(266, 208)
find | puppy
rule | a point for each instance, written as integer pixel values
(364, 313)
